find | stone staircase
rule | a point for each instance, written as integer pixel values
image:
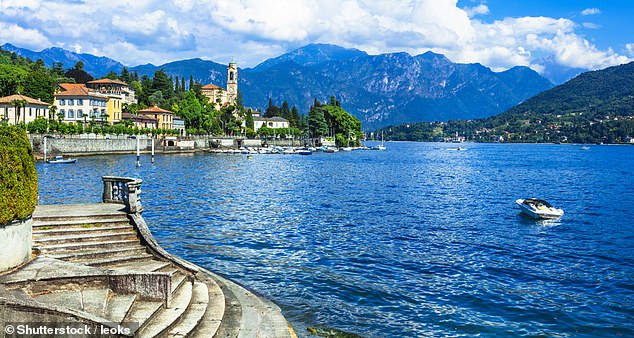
(101, 241)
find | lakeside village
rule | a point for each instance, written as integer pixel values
(110, 115)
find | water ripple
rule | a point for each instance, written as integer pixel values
(413, 241)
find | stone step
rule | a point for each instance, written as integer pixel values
(110, 236)
(95, 301)
(87, 230)
(77, 246)
(91, 300)
(211, 320)
(142, 265)
(62, 212)
(84, 255)
(106, 262)
(168, 317)
(70, 298)
(40, 224)
(231, 319)
(119, 306)
(259, 317)
(142, 311)
(194, 313)
(178, 279)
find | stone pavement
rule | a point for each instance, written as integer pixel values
(98, 265)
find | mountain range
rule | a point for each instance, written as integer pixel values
(380, 90)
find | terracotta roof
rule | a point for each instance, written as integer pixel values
(140, 118)
(153, 110)
(211, 86)
(72, 89)
(274, 118)
(8, 99)
(107, 81)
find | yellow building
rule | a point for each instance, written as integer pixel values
(221, 97)
(118, 92)
(164, 118)
(216, 95)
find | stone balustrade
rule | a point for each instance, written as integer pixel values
(123, 190)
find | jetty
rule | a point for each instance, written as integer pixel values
(98, 265)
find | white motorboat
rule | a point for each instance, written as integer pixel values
(61, 160)
(537, 208)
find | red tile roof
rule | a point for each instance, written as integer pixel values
(107, 81)
(72, 89)
(140, 118)
(153, 110)
(29, 100)
(211, 86)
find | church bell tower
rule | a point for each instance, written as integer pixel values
(232, 83)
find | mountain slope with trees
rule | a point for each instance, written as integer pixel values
(595, 106)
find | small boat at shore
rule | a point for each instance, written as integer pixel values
(537, 208)
(61, 160)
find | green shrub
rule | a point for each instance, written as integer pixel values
(18, 178)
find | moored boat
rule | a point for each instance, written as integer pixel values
(61, 160)
(538, 208)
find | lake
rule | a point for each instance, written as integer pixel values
(416, 240)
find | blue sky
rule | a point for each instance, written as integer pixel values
(610, 26)
(496, 33)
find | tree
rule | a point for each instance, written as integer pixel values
(163, 83)
(285, 112)
(317, 124)
(38, 84)
(249, 123)
(79, 66)
(18, 104)
(79, 75)
(294, 119)
(11, 79)
(126, 76)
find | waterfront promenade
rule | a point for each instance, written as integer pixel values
(99, 265)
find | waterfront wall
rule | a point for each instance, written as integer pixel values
(16, 243)
(98, 144)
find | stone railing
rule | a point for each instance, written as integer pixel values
(123, 190)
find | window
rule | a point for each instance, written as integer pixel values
(71, 102)
(80, 112)
(62, 102)
(71, 114)
(80, 102)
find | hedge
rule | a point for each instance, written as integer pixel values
(18, 178)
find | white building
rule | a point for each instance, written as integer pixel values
(77, 104)
(29, 109)
(273, 123)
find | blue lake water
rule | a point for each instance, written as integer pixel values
(416, 240)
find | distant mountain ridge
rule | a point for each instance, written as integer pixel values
(380, 90)
(606, 92)
(97, 66)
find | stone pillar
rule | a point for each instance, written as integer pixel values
(134, 197)
(16, 239)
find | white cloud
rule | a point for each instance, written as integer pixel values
(480, 9)
(26, 38)
(591, 11)
(630, 49)
(250, 31)
(591, 25)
